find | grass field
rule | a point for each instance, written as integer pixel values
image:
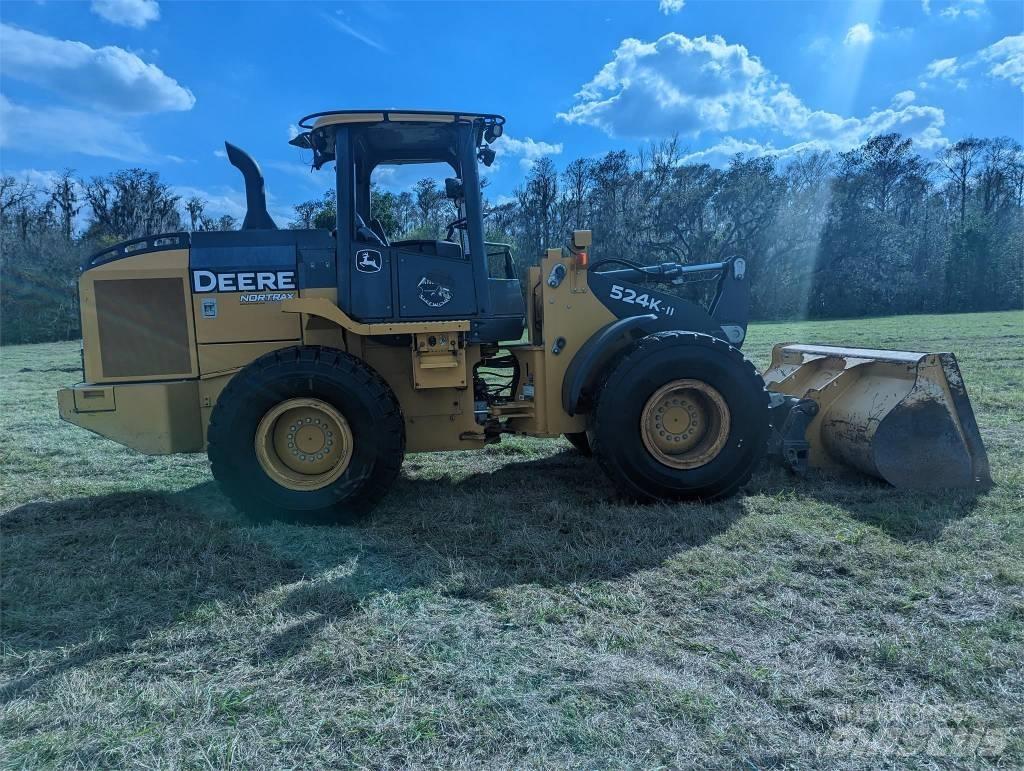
(503, 610)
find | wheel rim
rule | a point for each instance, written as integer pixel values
(685, 424)
(304, 444)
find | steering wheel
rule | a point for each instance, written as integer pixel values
(460, 223)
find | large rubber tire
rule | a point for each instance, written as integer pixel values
(347, 384)
(654, 361)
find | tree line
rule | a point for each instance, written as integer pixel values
(877, 230)
(48, 229)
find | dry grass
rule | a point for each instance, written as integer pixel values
(502, 609)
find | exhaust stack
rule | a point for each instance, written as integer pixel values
(256, 215)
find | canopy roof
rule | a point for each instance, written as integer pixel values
(394, 136)
(334, 117)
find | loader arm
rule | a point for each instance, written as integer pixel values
(630, 291)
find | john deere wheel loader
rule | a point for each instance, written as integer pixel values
(308, 362)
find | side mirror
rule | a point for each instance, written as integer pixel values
(453, 188)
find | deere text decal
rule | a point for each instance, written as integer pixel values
(204, 281)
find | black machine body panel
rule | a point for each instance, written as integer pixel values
(261, 260)
(630, 292)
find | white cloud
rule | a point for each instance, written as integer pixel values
(919, 125)
(693, 86)
(926, 6)
(220, 153)
(968, 9)
(527, 150)
(723, 151)
(226, 200)
(61, 130)
(857, 39)
(349, 30)
(1006, 59)
(127, 13)
(231, 201)
(946, 69)
(820, 44)
(303, 172)
(903, 98)
(859, 35)
(671, 6)
(104, 78)
(293, 131)
(41, 179)
(941, 68)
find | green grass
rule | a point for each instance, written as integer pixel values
(502, 609)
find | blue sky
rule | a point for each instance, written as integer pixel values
(96, 86)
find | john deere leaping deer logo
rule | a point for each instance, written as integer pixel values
(433, 291)
(368, 261)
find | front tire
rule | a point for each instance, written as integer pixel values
(681, 415)
(306, 434)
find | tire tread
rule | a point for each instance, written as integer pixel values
(604, 453)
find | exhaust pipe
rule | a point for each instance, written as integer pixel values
(256, 215)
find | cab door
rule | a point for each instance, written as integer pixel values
(434, 286)
(370, 285)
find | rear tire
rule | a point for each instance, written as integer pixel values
(681, 415)
(306, 434)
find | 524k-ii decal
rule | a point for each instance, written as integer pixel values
(652, 304)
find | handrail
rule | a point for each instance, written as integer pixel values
(135, 246)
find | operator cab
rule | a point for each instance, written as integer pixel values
(454, 278)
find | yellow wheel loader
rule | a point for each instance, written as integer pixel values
(307, 363)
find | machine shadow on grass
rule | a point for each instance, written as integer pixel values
(96, 575)
(87, 578)
(904, 515)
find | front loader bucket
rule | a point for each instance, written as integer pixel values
(898, 415)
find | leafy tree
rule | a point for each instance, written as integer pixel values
(130, 204)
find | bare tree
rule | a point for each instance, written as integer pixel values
(14, 195)
(66, 196)
(196, 208)
(130, 204)
(958, 162)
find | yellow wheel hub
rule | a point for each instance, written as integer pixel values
(304, 444)
(685, 424)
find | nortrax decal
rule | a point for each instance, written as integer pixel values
(204, 281)
(266, 297)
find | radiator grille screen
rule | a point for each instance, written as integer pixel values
(143, 327)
